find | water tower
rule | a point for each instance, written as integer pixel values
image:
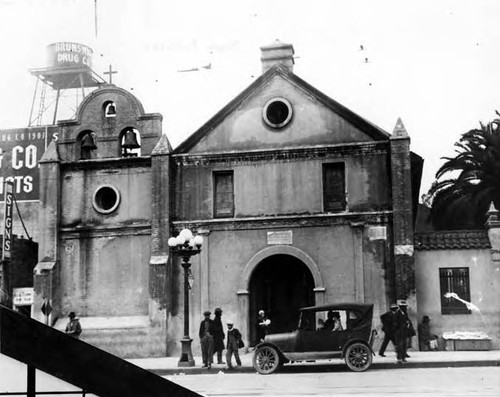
(62, 84)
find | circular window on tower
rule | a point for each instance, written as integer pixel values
(106, 199)
(277, 112)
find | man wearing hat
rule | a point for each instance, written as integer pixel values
(425, 338)
(218, 335)
(388, 320)
(233, 344)
(207, 340)
(404, 331)
(73, 327)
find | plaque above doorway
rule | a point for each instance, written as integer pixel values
(280, 237)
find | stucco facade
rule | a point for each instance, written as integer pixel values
(477, 253)
(279, 246)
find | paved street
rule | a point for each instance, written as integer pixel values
(332, 380)
(456, 382)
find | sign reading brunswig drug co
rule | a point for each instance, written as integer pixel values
(20, 151)
(65, 54)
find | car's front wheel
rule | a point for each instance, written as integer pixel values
(358, 357)
(266, 360)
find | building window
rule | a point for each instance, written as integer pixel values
(334, 197)
(455, 288)
(223, 194)
(277, 112)
(106, 199)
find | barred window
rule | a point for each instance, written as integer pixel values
(334, 197)
(223, 194)
(454, 282)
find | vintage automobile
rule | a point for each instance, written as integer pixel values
(353, 342)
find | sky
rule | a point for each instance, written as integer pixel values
(434, 63)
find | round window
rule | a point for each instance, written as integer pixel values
(106, 199)
(277, 112)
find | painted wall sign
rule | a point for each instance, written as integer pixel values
(69, 54)
(280, 237)
(7, 228)
(20, 151)
(23, 296)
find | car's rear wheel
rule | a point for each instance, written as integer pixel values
(266, 360)
(358, 357)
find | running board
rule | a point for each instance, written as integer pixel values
(78, 363)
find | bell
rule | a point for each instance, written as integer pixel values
(130, 140)
(111, 110)
(88, 142)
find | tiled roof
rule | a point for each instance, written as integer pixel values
(459, 239)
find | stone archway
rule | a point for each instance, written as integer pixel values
(302, 264)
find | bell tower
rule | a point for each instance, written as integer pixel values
(97, 212)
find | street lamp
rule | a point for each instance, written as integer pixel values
(186, 245)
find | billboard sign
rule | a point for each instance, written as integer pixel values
(20, 151)
(7, 224)
(65, 54)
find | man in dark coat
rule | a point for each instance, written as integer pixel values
(206, 334)
(388, 320)
(218, 335)
(404, 330)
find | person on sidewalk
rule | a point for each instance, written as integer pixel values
(403, 331)
(218, 335)
(426, 340)
(388, 320)
(410, 330)
(263, 324)
(206, 334)
(234, 342)
(73, 328)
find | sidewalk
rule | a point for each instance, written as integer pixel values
(168, 365)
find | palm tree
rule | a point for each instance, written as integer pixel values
(462, 200)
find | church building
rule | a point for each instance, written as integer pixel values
(299, 200)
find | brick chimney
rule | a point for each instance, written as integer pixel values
(277, 53)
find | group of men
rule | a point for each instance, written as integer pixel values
(212, 340)
(398, 329)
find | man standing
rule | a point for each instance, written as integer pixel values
(233, 344)
(206, 334)
(403, 331)
(73, 327)
(388, 320)
(218, 335)
(263, 326)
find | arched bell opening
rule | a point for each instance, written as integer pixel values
(130, 142)
(87, 145)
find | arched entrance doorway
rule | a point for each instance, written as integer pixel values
(279, 285)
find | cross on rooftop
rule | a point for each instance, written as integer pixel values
(111, 72)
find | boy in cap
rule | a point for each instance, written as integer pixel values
(206, 334)
(233, 344)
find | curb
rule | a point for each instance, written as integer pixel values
(311, 368)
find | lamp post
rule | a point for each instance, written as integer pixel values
(186, 245)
